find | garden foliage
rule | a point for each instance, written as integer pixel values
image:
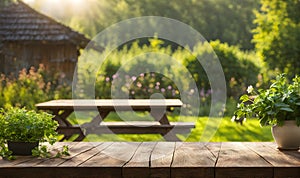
(141, 71)
(31, 87)
(272, 106)
(277, 37)
(138, 72)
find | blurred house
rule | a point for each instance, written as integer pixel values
(29, 38)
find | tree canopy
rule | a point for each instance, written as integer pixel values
(229, 21)
(277, 35)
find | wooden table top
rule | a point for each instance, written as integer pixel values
(160, 159)
(109, 103)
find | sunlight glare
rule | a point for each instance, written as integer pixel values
(28, 1)
(76, 3)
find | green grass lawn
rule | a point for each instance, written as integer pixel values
(207, 129)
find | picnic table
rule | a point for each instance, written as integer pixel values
(156, 107)
(160, 159)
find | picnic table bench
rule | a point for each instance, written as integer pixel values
(160, 159)
(157, 107)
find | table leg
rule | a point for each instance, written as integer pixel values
(61, 118)
(96, 121)
(65, 127)
(68, 132)
(163, 120)
(160, 117)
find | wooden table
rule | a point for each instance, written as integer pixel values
(157, 107)
(161, 159)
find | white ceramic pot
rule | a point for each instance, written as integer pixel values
(287, 136)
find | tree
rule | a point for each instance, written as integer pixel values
(229, 21)
(277, 35)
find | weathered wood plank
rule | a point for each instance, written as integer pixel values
(73, 150)
(85, 155)
(161, 160)
(292, 154)
(24, 160)
(36, 161)
(59, 172)
(214, 148)
(148, 123)
(141, 127)
(274, 156)
(115, 155)
(192, 160)
(110, 104)
(286, 163)
(237, 160)
(111, 160)
(139, 164)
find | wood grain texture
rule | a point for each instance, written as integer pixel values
(286, 163)
(85, 154)
(214, 148)
(139, 165)
(74, 149)
(192, 160)
(30, 161)
(238, 160)
(111, 160)
(159, 160)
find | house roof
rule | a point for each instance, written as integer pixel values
(19, 22)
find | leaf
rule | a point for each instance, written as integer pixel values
(286, 109)
(282, 105)
(271, 112)
(244, 98)
(263, 121)
(298, 103)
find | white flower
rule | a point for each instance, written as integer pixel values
(233, 118)
(250, 89)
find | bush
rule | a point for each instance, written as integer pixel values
(20, 125)
(137, 63)
(30, 88)
(141, 71)
(238, 66)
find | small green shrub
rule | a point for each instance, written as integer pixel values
(21, 125)
(272, 106)
(28, 126)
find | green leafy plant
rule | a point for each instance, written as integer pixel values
(21, 125)
(272, 106)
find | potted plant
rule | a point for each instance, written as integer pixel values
(22, 130)
(279, 106)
